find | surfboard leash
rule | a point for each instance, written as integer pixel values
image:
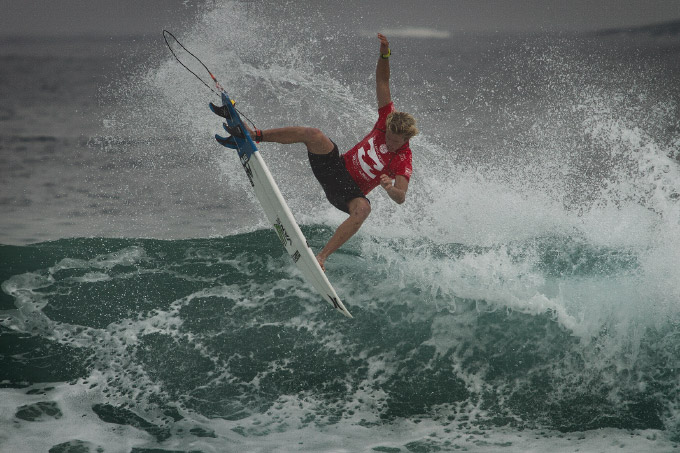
(166, 33)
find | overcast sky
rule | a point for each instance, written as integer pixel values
(123, 17)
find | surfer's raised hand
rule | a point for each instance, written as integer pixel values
(384, 44)
(382, 73)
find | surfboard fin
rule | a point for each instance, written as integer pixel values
(220, 110)
(229, 142)
(234, 131)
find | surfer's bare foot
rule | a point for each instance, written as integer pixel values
(321, 261)
(250, 131)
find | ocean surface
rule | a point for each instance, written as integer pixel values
(525, 298)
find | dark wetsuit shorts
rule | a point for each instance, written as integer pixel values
(335, 180)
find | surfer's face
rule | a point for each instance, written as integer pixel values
(394, 141)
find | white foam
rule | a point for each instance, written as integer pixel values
(282, 429)
(78, 421)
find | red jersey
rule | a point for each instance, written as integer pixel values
(370, 158)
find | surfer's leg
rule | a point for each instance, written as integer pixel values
(315, 140)
(359, 209)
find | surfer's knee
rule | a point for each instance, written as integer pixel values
(316, 141)
(359, 208)
(313, 134)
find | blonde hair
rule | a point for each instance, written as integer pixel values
(402, 123)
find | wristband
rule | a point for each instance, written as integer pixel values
(258, 135)
(385, 57)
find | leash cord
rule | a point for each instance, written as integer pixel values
(217, 84)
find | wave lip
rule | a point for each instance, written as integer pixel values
(412, 32)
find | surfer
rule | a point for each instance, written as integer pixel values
(382, 158)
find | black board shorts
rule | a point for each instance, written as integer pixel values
(329, 169)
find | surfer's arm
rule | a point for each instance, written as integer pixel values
(396, 191)
(382, 74)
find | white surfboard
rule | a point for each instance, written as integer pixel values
(274, 205)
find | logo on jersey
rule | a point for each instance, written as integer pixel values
(368, 159)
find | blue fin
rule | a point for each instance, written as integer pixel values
(235, 131)
(229, 142)
(238, 137)
(222, 110)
